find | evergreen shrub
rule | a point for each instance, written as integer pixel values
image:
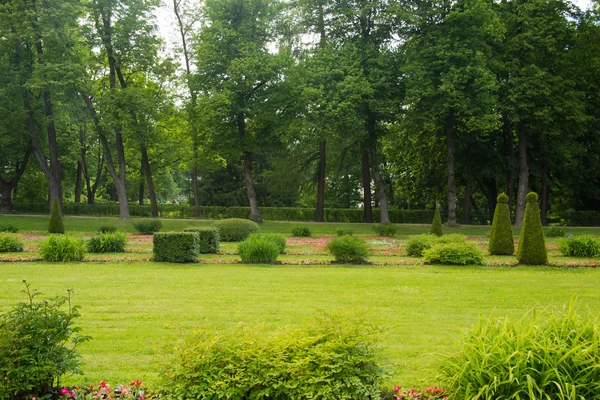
(236, 229)
(388, 230)
(107, 243)
(9, 228)
(209, 239)
(348, 249)
(57, 248)
(176, 247)
(301, 231)
(532, 246)
(501, 238)
(453, 254)
(148, 227)
(579, 246)
(256, 249)
(11, 243)
(554, 232)
(56, 225)
(436, 225)
(279, 240)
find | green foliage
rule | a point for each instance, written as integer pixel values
(10, 243)
(107, 243)
(209, 239)
(107, 229)
(176, 247)
(501, 237)
(279, 240)
(256, 249)
(9, 228)
(55, 225)
(388, 230)
(148, 227)
(554, 232)
(236, 229)
(37, 346)
(62, 248)
(453, 254)
(436, 225)
(301, 231)
(546, 355)
(331, 358)
(416, 245)
(348, 249)
(342, 232)
(532, 246)
(579, 246)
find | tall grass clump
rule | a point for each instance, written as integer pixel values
(551, 354)
(348, 249)
(279, 240)
(148, 227)
(579, 246)
(62, 248)
(385, 230)
(554, 232)
(107, 243)
(256, 249)
(501, 238)
(9, 228)
(11, 243)
(301, 231)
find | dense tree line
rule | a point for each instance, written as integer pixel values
(346, 103)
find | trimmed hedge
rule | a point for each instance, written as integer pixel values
(501, 237)
(436, 224)
(10, 243)
(209, 239)
(55, 225)
(236, 229)
(532, 246)
(176, 247)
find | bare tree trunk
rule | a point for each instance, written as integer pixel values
(196, 192)
(523, 173)
(149, 182)
(366, 180)
(141, 187)
(510, 155)
(78, 182)
(320, 210)
(544, 203)
(7, 186)
(451, 179)
(380, 189)
(468, 192)
(254, 213)
(492, 197)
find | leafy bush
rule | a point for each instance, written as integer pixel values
(10, 243)
(332, 358)
(342, 232)
(436, 225)
(107, 243)
(62, 248)
(37, 347)
(453, 254)
(9, 228)
(209, 239)
(388, 230)
(107, 229)
(236, 229)
(501, 238)
(554, 232)
(176, 247)
(532, 246)
(416, 245)
(256, 249)
(579, 246)
(148, 227)
(301, 231)
(348, 249)
(279, 240)
(55, 225)
(546, 355)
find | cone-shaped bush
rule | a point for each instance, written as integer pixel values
(56, 220)
(436, 225)
(532, 247)
(501, 238)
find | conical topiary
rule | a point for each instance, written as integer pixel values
(56, 221)
(532, 246)
(436, 225)
(501, 238)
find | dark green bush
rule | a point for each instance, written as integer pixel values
(62, 248)
(37, 347)
(256, 249)
(236, 229)
(342, 232)
(209, 239)
(301, 231)
(279, 240)
(554, 232)
(453, 254)
(416, 245)
(333, 358)
(388, 230)
(107, 243)
(348, 249)
(10, 243)
(501, 238)
(176, 247)
(148, 227)
(107, 229)
(546, 355)
(436, 225)
(55, 225)
(532, 246)
(579, 246)
(9, 228)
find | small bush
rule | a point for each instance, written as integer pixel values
(148, 227)
(236, 229)
(343, 232)
(9, 228)
(388, 230)
(209, 239)
(10, 243)
(416, 245)
(501, 238)
(107, 243)
(348, 249)
(56, 225)
(279, 240)
(579, 246)
(62, 248)
(256, 249)
(107, 229)
(176, 247)
(554, 232)
(301, 231)
(532, 246)
(453, 254)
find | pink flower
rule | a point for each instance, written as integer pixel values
(64, 391)
(397, 388)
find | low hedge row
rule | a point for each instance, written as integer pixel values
(209, 239)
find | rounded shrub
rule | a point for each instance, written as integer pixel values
(501, 238)
(279, 240)
(62, 248)
(107, 243)
(56, 225)
(342, 232)
(348, 249)
(436, 224)
(453, 254)
(579, 246)
(148, 227)
(554, 232)
(415, 245)
(256, 249)
(388, 230)
(532, 246)
(236, 229)
(300, 231)
(11, 243)
(107, 229)
(9, 228)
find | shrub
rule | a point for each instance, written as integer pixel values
(148, 227)
(209, 239)
(453, 254)
(9, 228)
(10, 243)
(348, 249)
(37, 347)
(62, 248)
(388, 230)
(501, 238)
(579, 246)
(546, 355)
(107, 229)
(256, 249)
(236, 229)
(301, 231)
(342, 232)
(176, 247)
(416, 245)
(436, 225)
(554, 232)
(332, 358)
(107, 243)
(279, 240)
(56, 225)
(532, 247)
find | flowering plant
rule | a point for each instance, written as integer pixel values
(135, 391)
(431, 393)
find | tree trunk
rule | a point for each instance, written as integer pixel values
(9, 186)
(451, 180)
(380, 190)
(149, 182)
(366, 180)
(254, 213)
(320, 210)
(195, 192)
(468, 192)
(492, 197)
(544, 203)
(510, 156)
(523, 173)
(78, 182)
